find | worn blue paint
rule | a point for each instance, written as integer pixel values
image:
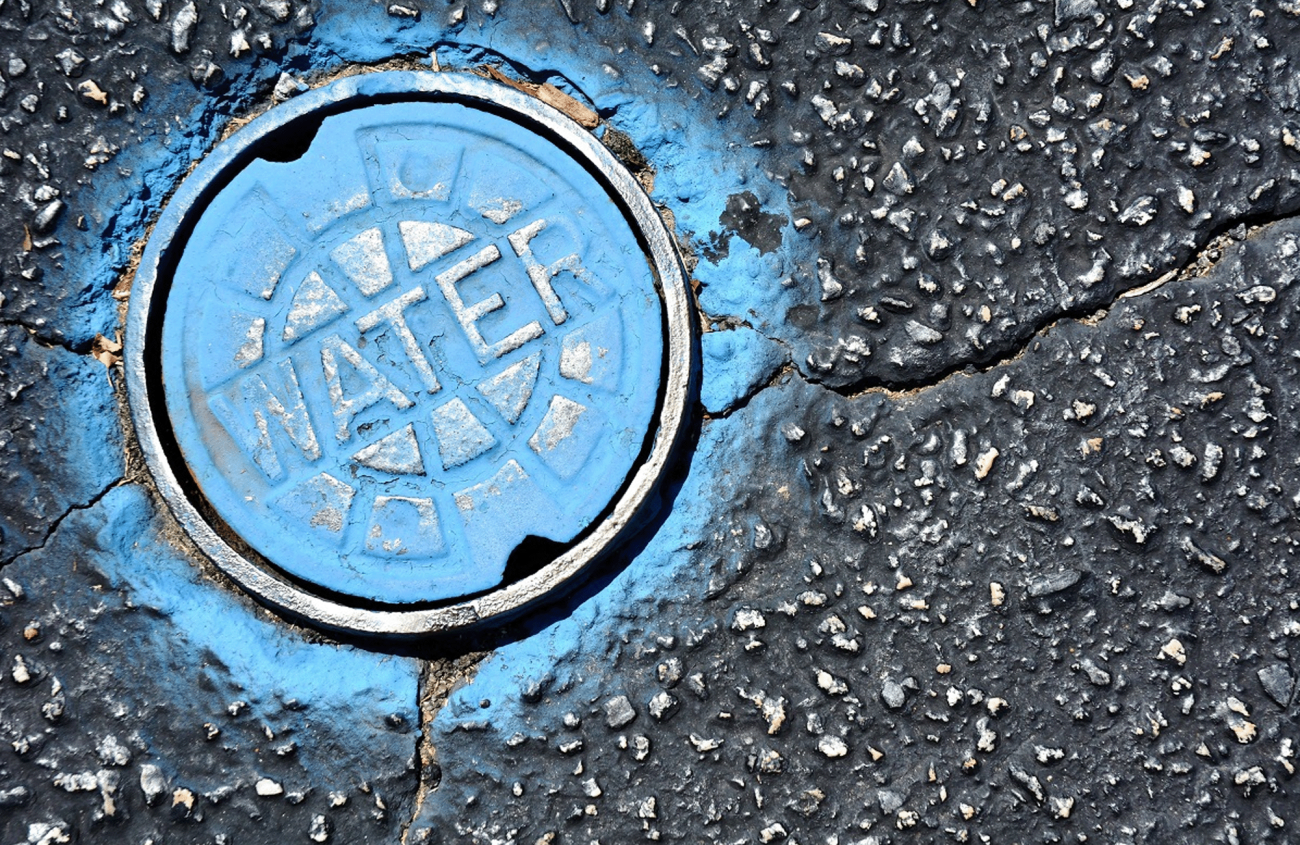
(391, 360)
(63, 444)
(697, 166)
(736, 364)
(665, 579)
(186, 648)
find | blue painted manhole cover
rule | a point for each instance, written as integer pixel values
(389, 334)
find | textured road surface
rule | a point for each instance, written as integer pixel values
(988, 530)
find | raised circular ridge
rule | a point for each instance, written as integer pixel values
(170, 234)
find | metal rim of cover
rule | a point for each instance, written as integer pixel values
(151, 286)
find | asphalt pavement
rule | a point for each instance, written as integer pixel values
(982, 525)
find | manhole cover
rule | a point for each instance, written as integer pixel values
(408, 352)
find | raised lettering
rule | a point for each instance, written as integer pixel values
(468, 316)
(285, 406)
(334, 348)
(541, 274)
(392, 314)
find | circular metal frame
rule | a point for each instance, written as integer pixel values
(151, 285)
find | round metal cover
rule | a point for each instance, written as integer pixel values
(371, 370)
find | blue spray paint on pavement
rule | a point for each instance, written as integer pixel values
(697, 169)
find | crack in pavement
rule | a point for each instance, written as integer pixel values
(40, 336)
(1200, 265)
(439, 677)
(53, 527)
(1197, 266)
(777, 379)
(730, 323)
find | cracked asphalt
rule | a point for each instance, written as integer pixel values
(986, 531)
